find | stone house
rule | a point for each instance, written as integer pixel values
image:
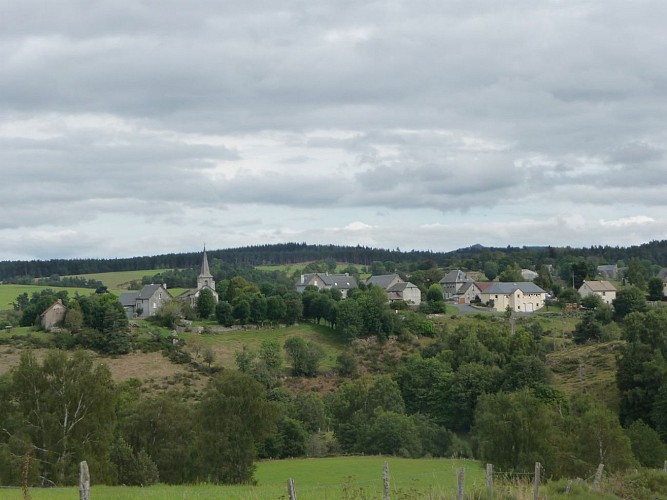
(146, 302)
(325, 281)
(452, 283)
(53, 315)
(396, 288)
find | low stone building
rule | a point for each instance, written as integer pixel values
(146, 302)
(53, 315)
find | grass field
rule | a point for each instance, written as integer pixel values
(226, 344)
(119, 280)
(320, 478)
(8, 293)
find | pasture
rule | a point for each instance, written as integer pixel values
(315, 478)
(227, 343)
(119, 280)
(8, 292)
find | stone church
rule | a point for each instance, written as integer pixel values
(204, 281)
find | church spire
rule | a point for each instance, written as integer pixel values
(205, 272)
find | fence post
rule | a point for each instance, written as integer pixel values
(598, 477)
(664, 467)
(489, 477)
(461, 479)
(290, 489)
(385, 478)
(536, 487)
(84, 481)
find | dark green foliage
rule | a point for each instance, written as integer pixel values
(655, 289)
(305, 356)
(569, 296)
(38, 303)
(234, 415)
(629, 300)
(205, 305)
(134, 469)
(393, 433)
(646, 445)
(224, 313)
(346, 365)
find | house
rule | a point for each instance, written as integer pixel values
(452, 283)
(396, 288)
(469, 292)
(609, 271)
(146, 302)
(53, 315)
(603, 289)
(325, 281)
(205, 281)
(520, 297)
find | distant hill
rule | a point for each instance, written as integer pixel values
(471, 258)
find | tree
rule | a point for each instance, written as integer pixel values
(435, 293)
(637, 273)
(393, 434)
(205, 305)
(630, 299)
(275, 308)
(234, 415)
(348, 320)
(655, 289)
(67, 408)
(224, 313)
(646, 445)
(569, 296)
(241, 309)
(511, 274)
(490, 270)
(514, 430)
(305, 356)
(208, 356)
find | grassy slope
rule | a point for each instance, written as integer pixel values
(8, 293)
(322, 478)
(589, 368)
(119, 280)
(226, 344)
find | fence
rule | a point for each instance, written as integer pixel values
(84, 480)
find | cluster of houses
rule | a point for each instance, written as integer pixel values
(457, 286)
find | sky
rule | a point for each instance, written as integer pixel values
(138, 127)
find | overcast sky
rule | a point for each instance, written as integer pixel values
(132, 127)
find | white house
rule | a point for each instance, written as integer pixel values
(603, 289)
(520, 297)
(396, 288)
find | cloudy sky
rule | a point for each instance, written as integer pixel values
(139, 127)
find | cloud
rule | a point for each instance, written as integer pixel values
(276, 120)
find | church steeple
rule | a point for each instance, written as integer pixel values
(205, 277)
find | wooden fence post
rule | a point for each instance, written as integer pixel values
(461, 479)
(290, 489)
(536, 487)
(489, 477)
(598, 478)
(84, 481)
(664, 467)
(385, 478)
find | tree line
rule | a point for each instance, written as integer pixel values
(473, 258)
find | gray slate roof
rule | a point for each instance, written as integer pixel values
(455, 276)
(505, 288)
(128, 299)
(382, 280)
(147, 291)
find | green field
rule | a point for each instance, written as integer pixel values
(8, 293)
(119, 280)
(318, 478)
(226, 344)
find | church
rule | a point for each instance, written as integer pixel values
(204, 281)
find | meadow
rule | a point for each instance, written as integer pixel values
(315, 478)
(9, 292)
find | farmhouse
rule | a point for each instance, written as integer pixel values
(145, 302)
(326, 281)
(53, 315)
(603, 289)
(396, 288)
(452, 282)
(520, 297)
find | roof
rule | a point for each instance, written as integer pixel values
(57, 302)
(383, 280)
(467, 285)
(608, 267)
(455, 276)
(342, 281)
(483, 285)
(599, 286)
(148, 291)
(205, 273)
(128, 299)
(507, 288)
